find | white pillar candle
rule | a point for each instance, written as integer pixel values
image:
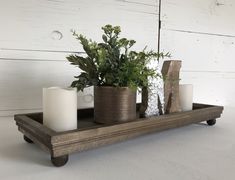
(186, 96)
(60, 108)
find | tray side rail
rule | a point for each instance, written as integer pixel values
(39, 134)
(66, 143)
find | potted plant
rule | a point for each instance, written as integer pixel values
(115, 71)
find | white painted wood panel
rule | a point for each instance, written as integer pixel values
(46, 25)
(35, 38)
(32, 55)
(211, 87)
(205, 16)
(201, 34)
(22, 83)
(23, 88)
(200, 52)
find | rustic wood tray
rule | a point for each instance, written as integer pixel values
(92, 135)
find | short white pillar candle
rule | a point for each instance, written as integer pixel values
(186, 96)
(60, 108)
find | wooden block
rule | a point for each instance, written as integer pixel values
(170, 72)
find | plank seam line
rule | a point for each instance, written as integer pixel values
(134, 2)
(142, 12)
(2, 110)
(32, 60)
(197, 32)
(219, 72)
(41, 50)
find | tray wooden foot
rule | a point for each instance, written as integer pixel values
(27, 140)
(211, 122)
(59, 161)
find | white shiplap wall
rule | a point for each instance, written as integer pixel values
(35, 38)
(202, 34)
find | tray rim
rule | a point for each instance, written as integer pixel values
(56, 142)
(26, 119)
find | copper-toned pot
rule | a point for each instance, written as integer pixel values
(112, 104)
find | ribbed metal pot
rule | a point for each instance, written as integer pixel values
(113, 104)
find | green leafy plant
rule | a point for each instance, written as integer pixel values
(111, 62)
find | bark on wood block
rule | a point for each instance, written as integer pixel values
(144, 102)
(170, 72)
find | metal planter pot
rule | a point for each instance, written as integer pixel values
(114, 104)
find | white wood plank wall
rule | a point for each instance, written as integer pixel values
(35, 38)
(202, 34)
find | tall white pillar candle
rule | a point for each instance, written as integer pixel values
(60, 108)
(186, 96)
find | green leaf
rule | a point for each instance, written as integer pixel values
(104, 37)
(74, 84)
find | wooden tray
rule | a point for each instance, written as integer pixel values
(92, 135)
